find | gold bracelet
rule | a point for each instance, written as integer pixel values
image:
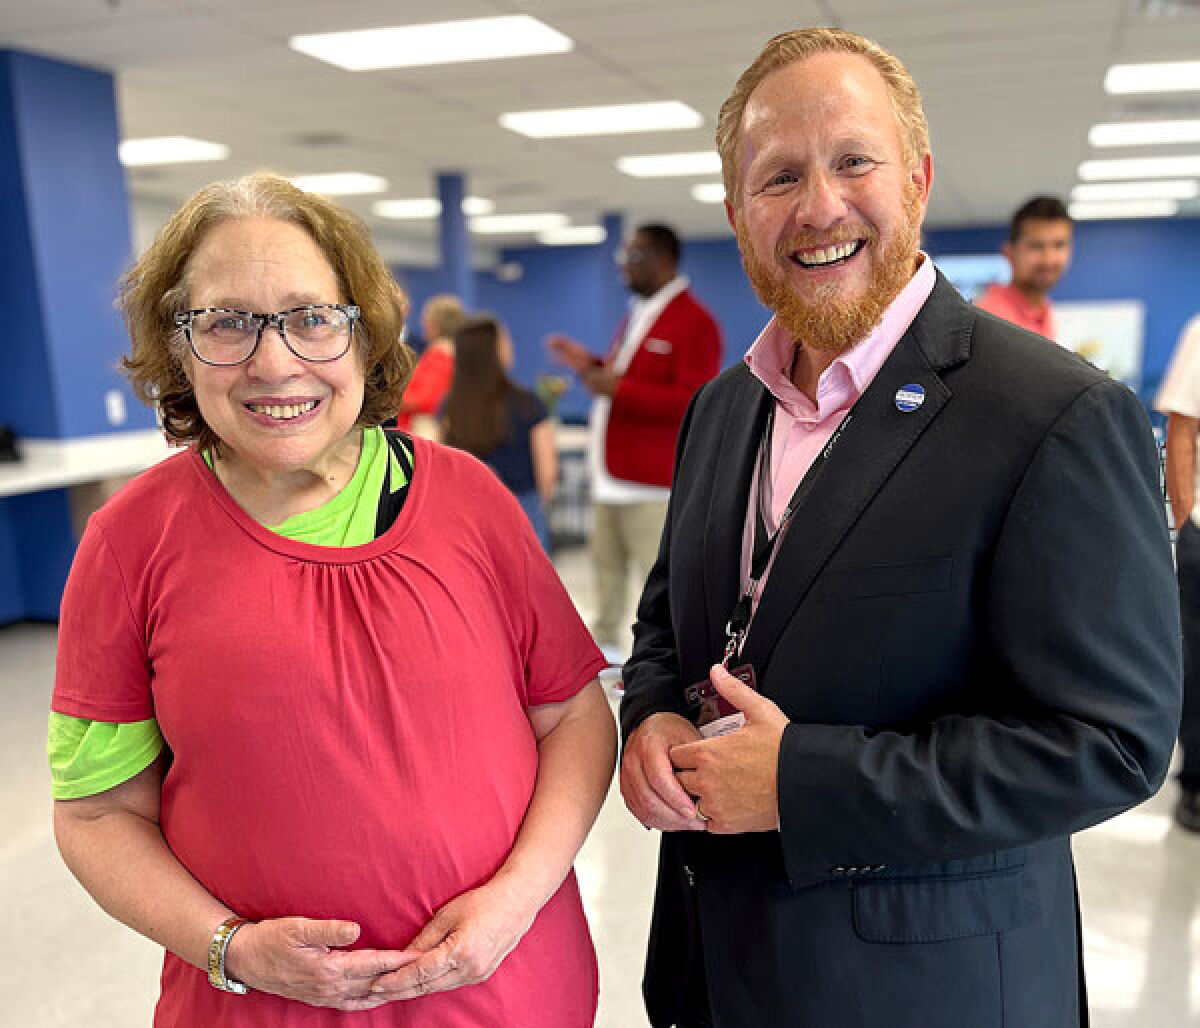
(216, 957)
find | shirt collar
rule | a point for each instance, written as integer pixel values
(847, 378)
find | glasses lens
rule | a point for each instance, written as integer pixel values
(318, 333)
(223, 337)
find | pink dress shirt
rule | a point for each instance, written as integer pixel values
(802, 430)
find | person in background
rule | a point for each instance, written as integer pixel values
(1038, 251)
(325, 722)
(917, 561)
(1179, 400)
(666, 348)
(431, 378)
(505, 426)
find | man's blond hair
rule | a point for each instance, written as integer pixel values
(789, 47)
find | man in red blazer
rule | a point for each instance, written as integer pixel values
(666, 348)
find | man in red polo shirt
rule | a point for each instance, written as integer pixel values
(1038, 250)
(666, 348)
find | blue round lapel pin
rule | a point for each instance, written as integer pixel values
(909, 398)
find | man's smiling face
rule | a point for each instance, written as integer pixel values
(829, 210)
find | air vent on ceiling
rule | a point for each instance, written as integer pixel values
(318, 139)
(1169, 8)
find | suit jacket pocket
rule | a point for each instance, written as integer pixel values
(938, 909)
(911, 576)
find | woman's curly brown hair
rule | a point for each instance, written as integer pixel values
(156, 288)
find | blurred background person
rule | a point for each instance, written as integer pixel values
(326, 725)
(1039, 252)
(431, 378)
(1179, 400)
(505, 426)
(666, 348)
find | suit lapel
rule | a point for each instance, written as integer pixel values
(741, 425)
(872, 443)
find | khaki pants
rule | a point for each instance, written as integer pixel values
(625, 536)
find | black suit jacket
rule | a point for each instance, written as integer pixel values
(972, 626)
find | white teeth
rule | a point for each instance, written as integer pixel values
(283, 412)
(826, 256)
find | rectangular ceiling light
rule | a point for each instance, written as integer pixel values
(1162, 77)
(341, 183)
(664, 165)
(135, 153)
(1140, 167)
(516, 224)
(1144, 133)
(1122, 209)
(572, 235)
(708, 192)
(1155, 189)
(602, 121)
(427, 207)
(442, 42)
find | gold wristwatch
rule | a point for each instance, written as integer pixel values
(216, 957)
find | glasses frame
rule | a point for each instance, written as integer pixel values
(184, 319)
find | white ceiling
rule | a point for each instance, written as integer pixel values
(1010, 87)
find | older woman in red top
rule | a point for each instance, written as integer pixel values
(326, 724)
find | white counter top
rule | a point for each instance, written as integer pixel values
(55, 463)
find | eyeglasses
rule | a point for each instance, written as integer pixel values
(223, 337)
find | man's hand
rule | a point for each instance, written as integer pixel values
(463, 944)
(734, 777)
(568, 351)
(301, 959)
(648, 783)
(599, 380)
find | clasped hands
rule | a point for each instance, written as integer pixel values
(304, 960)
(597, 379)
(675, 781)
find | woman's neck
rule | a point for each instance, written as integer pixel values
(272, 495)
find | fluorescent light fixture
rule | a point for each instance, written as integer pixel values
(1122, 209)
(709, 192)
(1140, 167)
(664, 165)
(602, 121)
(1144, 133)
(341, 183)
(1162, 77)
(1155, 189)
(134, 153)
(427, 207)
(516, 224)
(442, 42)
(572, 235)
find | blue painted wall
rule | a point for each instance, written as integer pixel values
(65, 236)
(562, 288)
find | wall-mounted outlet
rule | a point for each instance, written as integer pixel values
(114, 406)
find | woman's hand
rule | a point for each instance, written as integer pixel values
(463, 944)
(302, 959)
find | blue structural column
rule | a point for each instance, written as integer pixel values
(615, 295)
(64, 236)
(454, 240)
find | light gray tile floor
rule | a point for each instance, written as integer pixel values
(65, 964)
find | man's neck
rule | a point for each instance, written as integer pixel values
(1035, 297)
(808, 365)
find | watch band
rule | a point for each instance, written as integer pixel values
(216, 957)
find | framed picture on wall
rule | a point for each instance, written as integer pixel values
(1108, 334)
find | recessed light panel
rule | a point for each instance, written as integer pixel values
(136, 153)
(1140, 167)
(602, 121)
(668, 164)
(1122, 209)
(341, 183)
(1155, 189)
(517, 224)
(573, 235)
(1144, 133)
(443, 42)
(1161, 77)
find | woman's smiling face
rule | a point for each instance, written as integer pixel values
(275, 412)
